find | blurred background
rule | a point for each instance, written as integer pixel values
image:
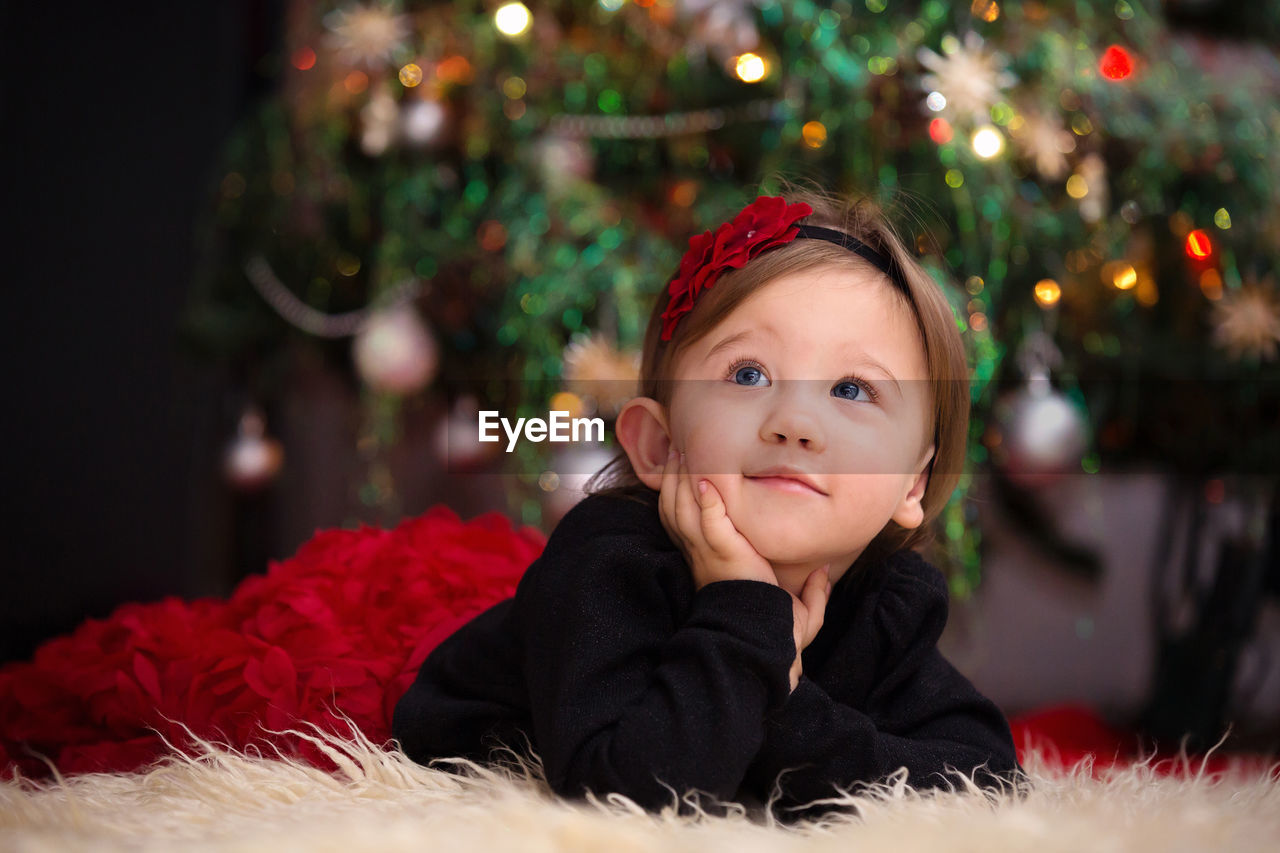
(272, 256)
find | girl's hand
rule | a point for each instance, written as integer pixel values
(807, 613)
(716, 551)
(712, 546)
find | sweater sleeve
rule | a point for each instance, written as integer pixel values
(625, 696)
(921, 713)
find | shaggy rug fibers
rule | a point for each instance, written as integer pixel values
(379, 800)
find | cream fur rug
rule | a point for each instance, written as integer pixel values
(381, 801)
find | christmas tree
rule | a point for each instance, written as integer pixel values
(487, 197)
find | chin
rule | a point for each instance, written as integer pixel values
(781, 546)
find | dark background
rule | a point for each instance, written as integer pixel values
(113, 121)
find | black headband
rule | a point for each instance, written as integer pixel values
(853, 244)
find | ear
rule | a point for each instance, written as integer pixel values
(910, 512)
(641, 427)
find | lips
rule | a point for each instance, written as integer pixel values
(783, 475)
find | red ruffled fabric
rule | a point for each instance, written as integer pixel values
(343, 624)
(1066, 734)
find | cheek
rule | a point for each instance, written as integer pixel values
(869, 496)
(713, 452)
(711, 439)
(871, 448)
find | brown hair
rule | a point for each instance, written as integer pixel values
(943, 347)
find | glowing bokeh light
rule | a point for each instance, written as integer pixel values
(356, 82)
(303, 59)
(411, 75)
(1211, 284)
(512, 19)
(1199, 246)
(985, 10)
(1123, 276)
(987, 142)
(750, 68)
(1047, 293)
(1116, 63)
(454, 69)
(815, 134)
(567, 401)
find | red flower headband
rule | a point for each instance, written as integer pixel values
(762, 225)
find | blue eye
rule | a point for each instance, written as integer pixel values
(842, 390)
(746, 373)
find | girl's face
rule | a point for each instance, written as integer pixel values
(787, 380)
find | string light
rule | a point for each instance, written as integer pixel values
(512, 19)
(567, 401)
(1126, 277)
(1211, 284)
(356, 82)
(410, 75)
(987, 142)
(303, 59)
(814, 133)
(1047, 293)
(514, 87)
(1199, 246)
(750, 68)
(454, 69)
(985, 10)
(1119, 274)
(1116, 63)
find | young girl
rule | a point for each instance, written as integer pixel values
(741, 613)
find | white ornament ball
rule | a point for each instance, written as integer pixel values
(252, 459)
(395, 352)
(1043, 434)
(570, 470)
(457, 439)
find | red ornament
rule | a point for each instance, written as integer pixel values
(1116, 63)
(762, 225)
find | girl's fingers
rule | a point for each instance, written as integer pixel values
(665, 492)
(667, 495)
(686, 507)
(717, 529)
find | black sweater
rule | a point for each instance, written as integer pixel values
(622, 677)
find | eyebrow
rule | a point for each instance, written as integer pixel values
(746, 333)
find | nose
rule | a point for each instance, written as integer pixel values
(791, 418)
